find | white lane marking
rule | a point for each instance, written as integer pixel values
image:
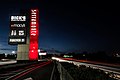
(52, 72)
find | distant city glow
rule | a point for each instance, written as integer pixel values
(43, 53)
(67, 56)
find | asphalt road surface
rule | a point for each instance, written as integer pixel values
(37, 71)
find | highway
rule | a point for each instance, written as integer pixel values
(37, 71)
(107, 68)
(4, 62)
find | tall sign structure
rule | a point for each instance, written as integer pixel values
(24, 31)
(33, 54)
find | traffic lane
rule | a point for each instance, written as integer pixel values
(20, 70)
(98, 66)
(7, 73)
(94, 62)
(76, 62)
(114, 66)
(100, 63)
(42, 72)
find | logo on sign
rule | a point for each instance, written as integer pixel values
(18, 25)
(21, 33)
(18, 18)
(13, 33)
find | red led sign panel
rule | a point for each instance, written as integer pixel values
(33, 52)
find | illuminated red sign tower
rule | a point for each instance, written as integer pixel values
(33, 48)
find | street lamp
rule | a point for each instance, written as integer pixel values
(38, 50)
(13, 52)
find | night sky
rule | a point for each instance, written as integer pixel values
(68, 25)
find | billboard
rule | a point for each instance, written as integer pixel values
(33, 48)
(17, 33)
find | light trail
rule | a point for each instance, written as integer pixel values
(116, 71)
(15, 77)
(8, 62)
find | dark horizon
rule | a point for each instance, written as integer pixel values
(68, 26)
